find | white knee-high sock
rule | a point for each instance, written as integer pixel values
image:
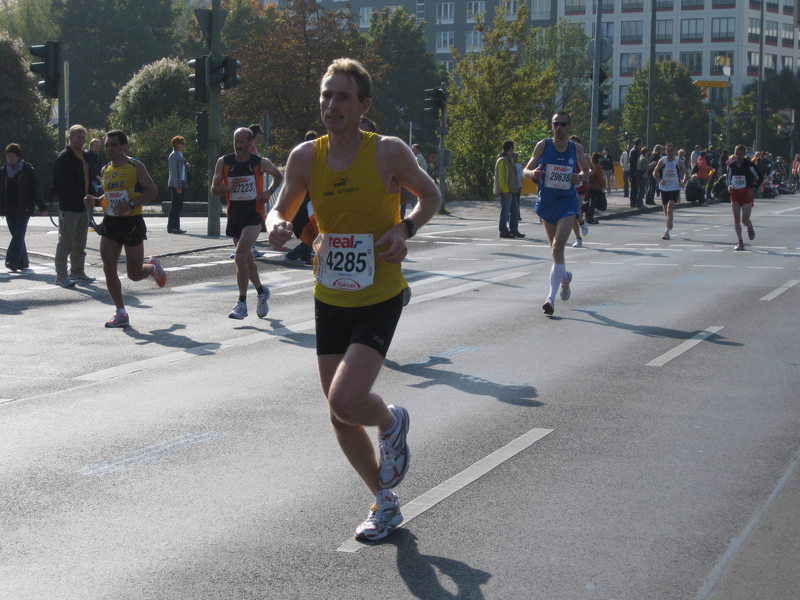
(557, 272)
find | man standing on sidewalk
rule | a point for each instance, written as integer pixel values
(71, 185)
(633, 172)
(624, 162)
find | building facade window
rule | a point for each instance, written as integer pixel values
(631, 32)
(444, 39)
(754, 30)
(575, 7)
(693, 61)
(770, 62)
(608, 6)
(631, 5)
(364, 16)
(665, 4)
(723, 3)
(540, 9)
(787, 62)
(723, 29)
(475, 9)
(474, 41)
(629, 62)
(715, 67)
(787, 35)
(771, 33)
(512, 6)
(664, 30)
(691, 30)
(693, 4)
(449, 65)
(445, 13)
(623, 90)
(663, 56)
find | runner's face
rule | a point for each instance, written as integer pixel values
(12, 158)
(560, 132)
(339, 105)
(115, 150)
(671, 151)
(739, 154)
(241, 144)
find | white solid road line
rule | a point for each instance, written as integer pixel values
(687, 345)
(432, 497)
(778, 291)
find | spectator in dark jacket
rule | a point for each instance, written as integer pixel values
(20, 195)
(71, 185)
(695, 190)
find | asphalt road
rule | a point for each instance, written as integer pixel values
(640, 444)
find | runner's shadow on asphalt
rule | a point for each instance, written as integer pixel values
(166, 337)
(518, 395)
(422, 573)
(650, 330)
(630, 253)
(294, 338)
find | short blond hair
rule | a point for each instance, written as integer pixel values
(355, 71)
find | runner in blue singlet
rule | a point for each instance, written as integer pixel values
(558, 165)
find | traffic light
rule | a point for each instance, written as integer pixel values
(49, 69)
(230, 66)
(201, 129)
(436, 98)
(603, 105)
(199, 79)
(216, 71)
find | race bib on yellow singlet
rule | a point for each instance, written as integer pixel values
(558, 176)
(114, 200)
(244, 188)
(346, 261)
(738, 182)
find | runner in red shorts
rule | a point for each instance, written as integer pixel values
(743, 180)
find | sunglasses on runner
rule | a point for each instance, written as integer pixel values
(560, 124)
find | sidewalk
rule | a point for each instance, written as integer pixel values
(42, 237)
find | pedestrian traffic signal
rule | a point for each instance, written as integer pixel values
(436, 98)
(230, 66)
(201, 129)
(216, 71)
(199, 79)
(603, 105)
(49, 68)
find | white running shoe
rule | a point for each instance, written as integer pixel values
(395, 456)
(665, 236)
(159, 274)
(262, 308)
(256, 253)
(578, 243)
(565, 291)
(584, 229)
(384, 514)
(239, 311)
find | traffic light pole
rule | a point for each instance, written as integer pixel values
(442, 157)
(595, 82)
(215, 47)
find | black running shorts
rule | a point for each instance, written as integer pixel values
(373, 326)
(128, 231)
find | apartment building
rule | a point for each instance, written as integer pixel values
(693, 32)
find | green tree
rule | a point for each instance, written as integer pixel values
(559, 48)
(678, 111)
(24, 112)
(32, 21)
(494, 95)
(281, 72)
(106, 42)
(156, 91)
(399, 41)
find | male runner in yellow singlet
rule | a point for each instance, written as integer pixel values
(354, 178)
(126, 185)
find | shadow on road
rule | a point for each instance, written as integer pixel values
(518, 395)
(422, 572)
(649, 330)
(166, 337)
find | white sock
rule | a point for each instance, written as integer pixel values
(557, 272)
(121, 311)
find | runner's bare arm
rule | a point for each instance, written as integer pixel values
(277, 177)
(532, 169)
(149, 189)
(217, 187)
(406, 172)
(295, 185)
(585, 171)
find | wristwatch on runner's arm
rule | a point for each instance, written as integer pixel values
(412, 229)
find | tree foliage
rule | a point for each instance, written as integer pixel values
(284, 52)
(677, 106)
(399, 41)
(559, 48)
(24, 112)
(31, 21)
(106, 42)
(156, 91)
(494, 95)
